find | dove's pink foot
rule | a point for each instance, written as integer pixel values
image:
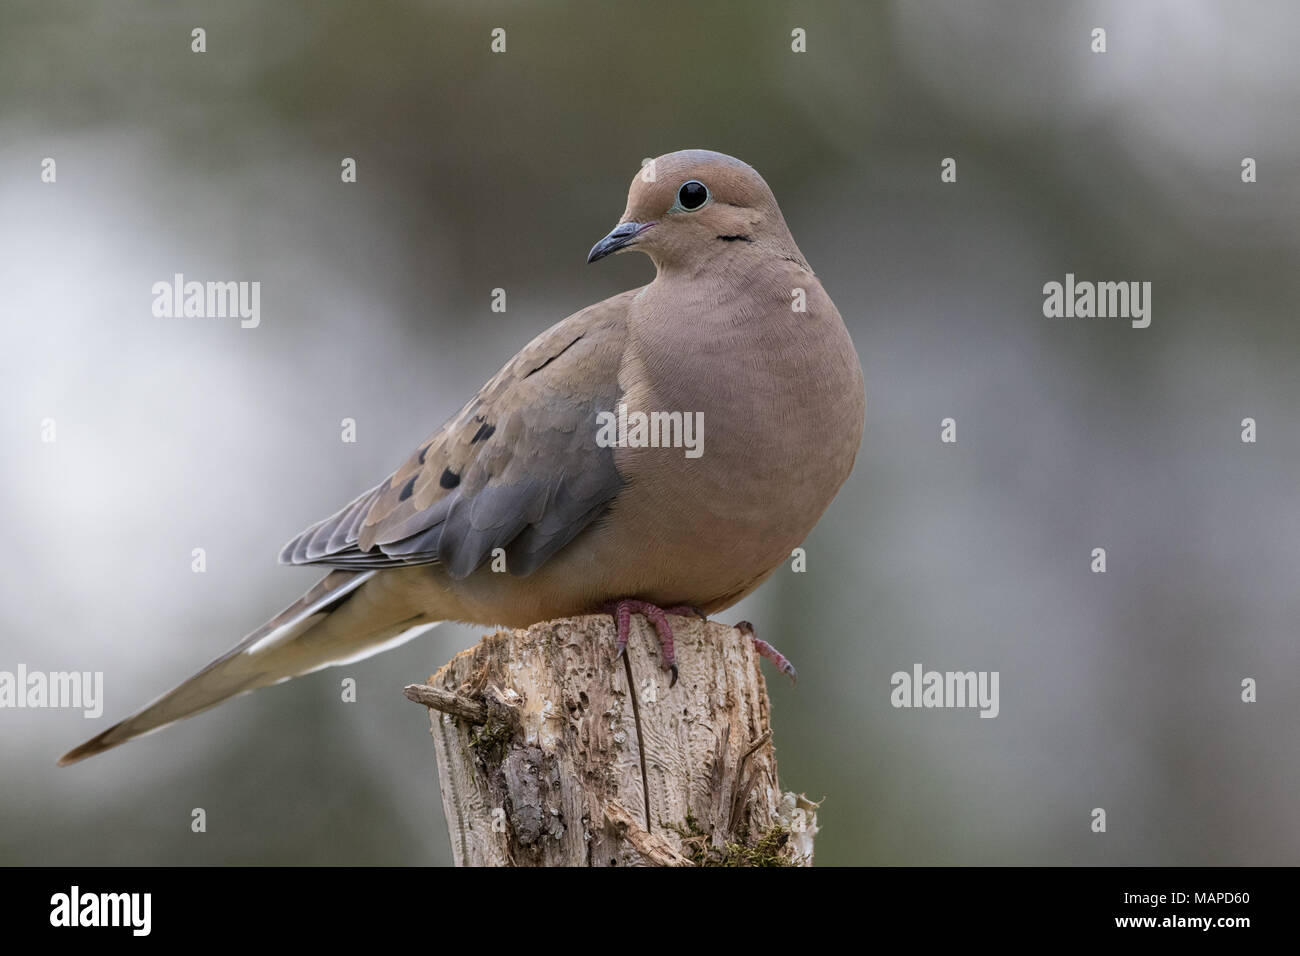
(622, 612)
(767, 650)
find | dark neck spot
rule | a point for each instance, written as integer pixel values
(735, 238)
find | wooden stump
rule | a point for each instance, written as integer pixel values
(546, 756)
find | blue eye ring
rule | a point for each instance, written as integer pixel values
(690, 198)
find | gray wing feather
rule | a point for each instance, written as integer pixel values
(524, 470)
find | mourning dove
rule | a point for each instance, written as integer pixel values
(735, 333)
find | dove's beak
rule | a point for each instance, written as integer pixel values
(620, 237)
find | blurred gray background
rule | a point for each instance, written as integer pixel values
(479, 171)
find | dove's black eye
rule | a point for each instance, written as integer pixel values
(692, 195)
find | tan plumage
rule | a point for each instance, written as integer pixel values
(519, 469)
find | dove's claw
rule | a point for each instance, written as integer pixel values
(765, 649)
(622, 612)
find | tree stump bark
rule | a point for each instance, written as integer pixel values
(549, 756)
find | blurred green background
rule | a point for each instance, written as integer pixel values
(478, 171)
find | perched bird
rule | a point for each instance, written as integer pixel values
(735, 331)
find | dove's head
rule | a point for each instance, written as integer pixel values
(691, 206)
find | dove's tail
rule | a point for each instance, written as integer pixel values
(343, 618)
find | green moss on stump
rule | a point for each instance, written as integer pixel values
(771, 849)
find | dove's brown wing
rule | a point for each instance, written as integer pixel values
(517, 468)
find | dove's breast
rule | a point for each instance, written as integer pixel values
(776, 397)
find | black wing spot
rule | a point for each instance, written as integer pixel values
(449, 478)
(556, 355)
(407, 489)
(424, 451)
(484, 433)
(735, 238)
